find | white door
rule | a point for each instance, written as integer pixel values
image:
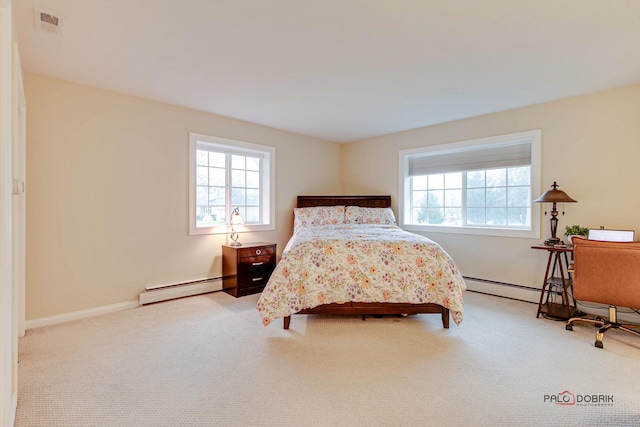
(8, 331)
(19, 213)
(18, 216)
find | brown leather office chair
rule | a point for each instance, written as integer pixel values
(606, 273)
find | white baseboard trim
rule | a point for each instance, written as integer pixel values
(152, 295)
(14, 409)
(81, 314)
(149, 296)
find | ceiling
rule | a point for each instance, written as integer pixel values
(339, 70)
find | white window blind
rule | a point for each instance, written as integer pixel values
(471, 158)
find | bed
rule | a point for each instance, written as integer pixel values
(347, 256)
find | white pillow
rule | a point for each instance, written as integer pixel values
(359, 215)
(317, 215)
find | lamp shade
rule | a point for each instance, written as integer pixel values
(554, 196)
(236, 218)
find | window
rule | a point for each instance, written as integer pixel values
(482, 186)
(225, 174)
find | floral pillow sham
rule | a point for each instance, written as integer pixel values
(360, 215)
(317, 215)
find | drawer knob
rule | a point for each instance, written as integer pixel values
(256, 279)
(258, 251)
(257, 263)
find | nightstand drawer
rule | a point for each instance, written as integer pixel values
(250, 282)
(256, 264)
(256, 251)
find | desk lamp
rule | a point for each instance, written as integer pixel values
(554, 196)
(236, 219)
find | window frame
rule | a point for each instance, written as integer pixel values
(267, 180)
(404, 207)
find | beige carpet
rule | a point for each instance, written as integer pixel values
(208, 361)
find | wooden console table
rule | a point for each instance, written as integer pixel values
(558, 263)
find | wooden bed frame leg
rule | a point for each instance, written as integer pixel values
(287, 321)
(445, 318)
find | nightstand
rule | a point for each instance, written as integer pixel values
(247, 268)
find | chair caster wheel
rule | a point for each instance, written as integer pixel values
(569, 327)
(599, 344)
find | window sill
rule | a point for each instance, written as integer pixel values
(478, 231)
(227, 229)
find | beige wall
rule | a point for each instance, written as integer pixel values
(108, 186)
(107, 178)
(590, 146)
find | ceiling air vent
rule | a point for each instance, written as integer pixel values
(47, 21)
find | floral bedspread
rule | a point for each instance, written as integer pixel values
(361, 263)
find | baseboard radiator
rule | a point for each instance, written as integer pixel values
(153, 294)
(530, 294)
(503, 289)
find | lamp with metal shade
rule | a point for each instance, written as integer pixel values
(236, 219)
(554, 196)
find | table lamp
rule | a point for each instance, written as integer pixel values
(554, 196)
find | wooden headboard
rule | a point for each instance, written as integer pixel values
(363, 201)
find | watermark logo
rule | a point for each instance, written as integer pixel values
(566, 398)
